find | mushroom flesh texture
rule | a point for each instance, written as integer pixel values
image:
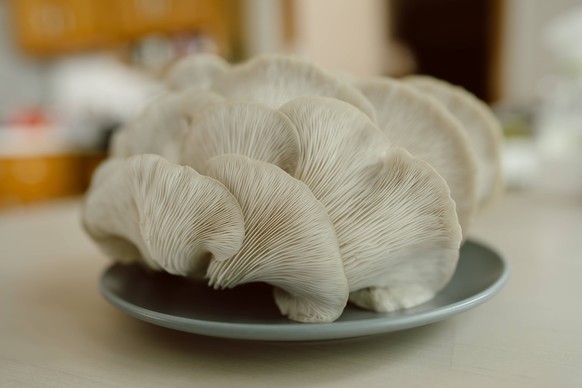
(289, 241)
(276, 79)
(424, 128)
(483, 130)
(162, 125)
(246, 128)
(202, 80)
(393, 214)
(169, 217)
(196, 71)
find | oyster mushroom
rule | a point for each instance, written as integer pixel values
(193, 100)
(412, 218)
(160, 127)
(289, 241)
(393, 214)
(276, 79)
(428, 131)
(245, 128)
(483, 130)
(198, 71)
(147, 209)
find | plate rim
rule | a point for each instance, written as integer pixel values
(296, 331)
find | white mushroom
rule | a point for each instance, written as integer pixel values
(394, 218)
(275, 79)
(159, 129)
(194, 101)
(414, 232)
(147, 209)
(245, 128)
(483, 130)
(289, 242)
(428, 131)
(197, 70)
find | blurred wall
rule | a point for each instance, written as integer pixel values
(22, 81)
(263, 27)
(525, 60)
(344, 35)
(348, 35)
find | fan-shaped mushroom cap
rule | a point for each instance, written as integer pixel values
(413, 222)
(159, 129)
(169, 216)
(427, 130)
(245, 128)
(393, 214)
(194, 100)
(197, 70)
(483, 130)
(289, 242)
(275, 79)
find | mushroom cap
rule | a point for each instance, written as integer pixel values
(247, 128)
(147, 209)
(195, 100)
(337, 143)
(289, 242)
(153, 130)
(413, 234)
(428, 131)
(197, 70)
(277, 79)
(159, 129)
(387, 207)
(116, 236)
(481, 126)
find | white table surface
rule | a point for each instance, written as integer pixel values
(57, 331)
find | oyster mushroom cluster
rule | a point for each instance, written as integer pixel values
(331, 189)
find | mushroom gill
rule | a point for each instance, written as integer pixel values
(196, 71)
(481, 126)
(246, 128)
(147, 209)
(159, 129)
(393, 215)
(428, 131)
(289, 241)
(276, 79)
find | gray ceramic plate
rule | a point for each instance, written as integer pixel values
(248, 312)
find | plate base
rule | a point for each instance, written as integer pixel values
(248, 311)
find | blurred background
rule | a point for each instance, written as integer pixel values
(72, 71)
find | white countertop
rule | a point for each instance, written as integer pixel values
(57, 331)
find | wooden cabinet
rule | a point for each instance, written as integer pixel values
(138, 17)
(45, 26)
(31, 179)
(57, 26)
(187, 12)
